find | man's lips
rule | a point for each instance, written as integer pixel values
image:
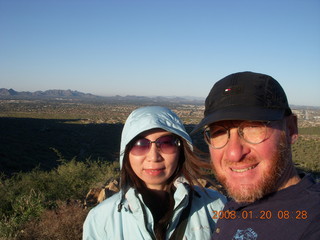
(243, 169)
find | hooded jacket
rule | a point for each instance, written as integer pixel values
(134, 221)
(125, 216)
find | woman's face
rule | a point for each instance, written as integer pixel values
(155, 163)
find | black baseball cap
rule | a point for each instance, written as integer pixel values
(245, 96)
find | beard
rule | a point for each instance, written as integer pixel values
(267, 184)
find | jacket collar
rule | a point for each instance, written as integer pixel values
(134, 199)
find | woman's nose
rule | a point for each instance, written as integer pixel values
(154, 153)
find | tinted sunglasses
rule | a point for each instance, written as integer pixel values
(167, 144)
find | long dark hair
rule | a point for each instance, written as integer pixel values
(191, 165)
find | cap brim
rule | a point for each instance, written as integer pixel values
(252, 114)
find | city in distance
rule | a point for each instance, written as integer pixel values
(189, 108)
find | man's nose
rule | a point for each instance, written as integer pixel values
(236, 147)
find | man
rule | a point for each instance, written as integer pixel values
(249, 128)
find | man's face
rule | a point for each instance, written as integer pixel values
(250, 171)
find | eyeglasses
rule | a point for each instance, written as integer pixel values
(252, 132)
(167, 144)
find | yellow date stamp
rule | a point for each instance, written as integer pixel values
(263, 214)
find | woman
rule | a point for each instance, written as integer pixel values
(157, 199)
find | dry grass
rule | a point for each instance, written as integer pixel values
(63, 223)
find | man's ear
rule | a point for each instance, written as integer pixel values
(292, 128)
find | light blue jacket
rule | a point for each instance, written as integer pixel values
(134, 221)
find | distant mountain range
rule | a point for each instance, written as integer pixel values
(57, 94)
(4, 93)
(76, 95)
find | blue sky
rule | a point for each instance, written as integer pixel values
(159, 47)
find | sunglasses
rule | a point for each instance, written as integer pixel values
(167, 144)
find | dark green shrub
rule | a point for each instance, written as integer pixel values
(24, 197)
(23, 208)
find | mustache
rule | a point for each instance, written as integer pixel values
(251, 160)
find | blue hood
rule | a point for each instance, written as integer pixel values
(146, 118)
